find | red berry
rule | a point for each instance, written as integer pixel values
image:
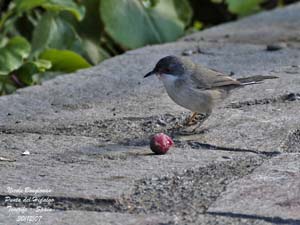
(160, 143)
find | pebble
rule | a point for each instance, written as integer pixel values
(26, 153)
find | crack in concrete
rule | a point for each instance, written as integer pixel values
(199, 145)
(190, 193)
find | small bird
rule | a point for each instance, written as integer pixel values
(195, 87)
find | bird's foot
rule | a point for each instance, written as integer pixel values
(191, 120)
(189, 123)
(193, 124)
(192, 131)
(195, 118)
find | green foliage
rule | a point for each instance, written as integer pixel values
(244, 7)
(92, 34)
(40, 36)
(64, 60)
(27, 74)
(94, 52)
(51, 5)
(184, 11)
(136, 23)
(52, 31)
(12, 54)
(91, 26)
(21, 63)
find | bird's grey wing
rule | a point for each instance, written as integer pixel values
(204, 78)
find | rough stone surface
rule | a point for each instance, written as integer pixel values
(88, 137)
(272, 190)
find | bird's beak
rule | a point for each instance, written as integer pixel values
(149, 74)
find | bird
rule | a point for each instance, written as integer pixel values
(195, 87)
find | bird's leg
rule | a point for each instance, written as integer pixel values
(190, 120)
(195, 129)
(202, 121)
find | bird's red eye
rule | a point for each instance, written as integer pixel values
(167, 70)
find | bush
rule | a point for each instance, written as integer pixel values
(42, 38)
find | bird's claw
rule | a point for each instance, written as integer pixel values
(189, 122)
(192, 120)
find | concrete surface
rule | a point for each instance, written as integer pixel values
(88, 135)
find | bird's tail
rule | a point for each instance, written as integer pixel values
(255, 79)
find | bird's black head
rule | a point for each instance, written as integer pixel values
(171, 65)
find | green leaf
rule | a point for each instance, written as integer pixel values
(91, 27)
(30, 73)
(184, 11)
(7, 88)
(64, 60)
(244, 7)
(197, 25)
(132, 24)
(7, 19)
(27, 5)
(3, 41)
(42, 64)
(54, 32)
(12, 54)
(6, 85)
(54, 5)
(26, 72)
(94, 52)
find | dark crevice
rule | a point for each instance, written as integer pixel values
(274, 220)
(199, 145)
(189, 194)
